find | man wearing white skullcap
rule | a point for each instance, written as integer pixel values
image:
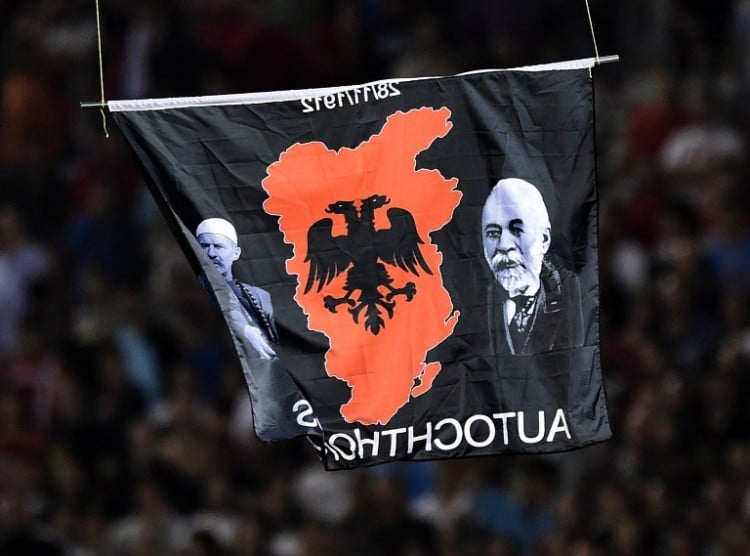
(218, 238)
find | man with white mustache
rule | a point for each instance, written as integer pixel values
(529, 301)
(251, 310)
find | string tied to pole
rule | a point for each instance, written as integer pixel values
(593, 35)
(103, 102)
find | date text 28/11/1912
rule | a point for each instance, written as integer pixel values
(349, 97)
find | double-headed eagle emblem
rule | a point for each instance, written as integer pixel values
(362, 252)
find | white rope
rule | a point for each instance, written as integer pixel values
(593, 36)
(101, 71)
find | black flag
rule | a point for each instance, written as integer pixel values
(408, 268)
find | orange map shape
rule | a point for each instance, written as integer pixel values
(383, 370)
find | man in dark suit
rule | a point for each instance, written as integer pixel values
(251, 310)
(532, 306)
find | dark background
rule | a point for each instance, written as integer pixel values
(123, 422)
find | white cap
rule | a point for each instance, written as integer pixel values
(217, 226)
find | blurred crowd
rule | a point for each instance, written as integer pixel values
(124, 422)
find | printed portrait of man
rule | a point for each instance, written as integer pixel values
(533, 307)
(251, 310)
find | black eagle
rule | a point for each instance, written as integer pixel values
(362, 251)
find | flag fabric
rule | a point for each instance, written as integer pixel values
(408, 268)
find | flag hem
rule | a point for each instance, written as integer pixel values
(299, 94)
